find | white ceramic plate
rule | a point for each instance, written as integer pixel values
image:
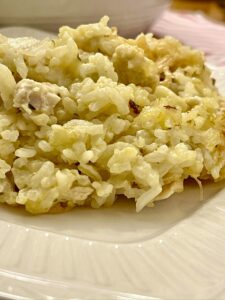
(174, 251)
(130, 16)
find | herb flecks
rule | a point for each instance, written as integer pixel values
(135, 107)
(31, 106)
(170, 107)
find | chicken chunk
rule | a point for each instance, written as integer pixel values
(40, 97)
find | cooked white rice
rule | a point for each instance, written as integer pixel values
(90, 116)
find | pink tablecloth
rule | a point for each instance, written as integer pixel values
(196, 30)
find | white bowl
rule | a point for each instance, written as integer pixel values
(130, 16)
